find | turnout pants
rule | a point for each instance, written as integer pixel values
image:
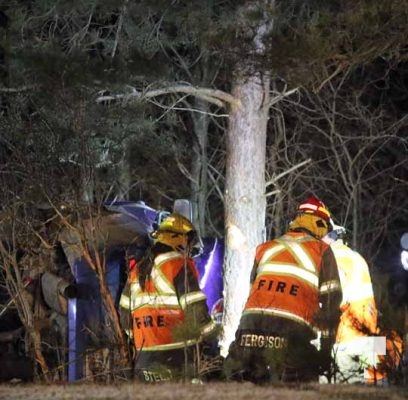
(262, 357)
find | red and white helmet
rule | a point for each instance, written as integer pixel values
(314, 206)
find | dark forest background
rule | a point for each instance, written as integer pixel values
(102, 100)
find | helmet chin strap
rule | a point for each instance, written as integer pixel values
(187, 249)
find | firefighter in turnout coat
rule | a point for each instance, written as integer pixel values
(295, 293)
(353, 351)
(162, 307)
(359, 312)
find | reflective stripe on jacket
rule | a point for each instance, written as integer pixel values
(291, 278)
(170, 296)
(359, 311)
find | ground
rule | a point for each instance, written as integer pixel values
(213, 391)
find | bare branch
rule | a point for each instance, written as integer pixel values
(341, 66)
(281, 96)
(274, 192)
(17, 90)
(214, 96)
(120, 24)
(288, 171)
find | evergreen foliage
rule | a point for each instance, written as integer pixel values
(348, 58)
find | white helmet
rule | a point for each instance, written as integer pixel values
(338, 231)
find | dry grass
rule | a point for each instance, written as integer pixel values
(168, 391)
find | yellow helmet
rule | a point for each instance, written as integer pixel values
(313, 216)
(176, 223)
(316, 225)
(175, 231)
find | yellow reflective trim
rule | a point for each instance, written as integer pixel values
(161, 282)
(153, 301)
(129, 332)
(208, 328)
(170, 346)
(325, 333)
(329, 286)
(291, 270)
(190, 298)
(278, 313)
(135, 288)
(125, 302)
(161, 258)
(270, 253)
(299, 253)
(305, 258)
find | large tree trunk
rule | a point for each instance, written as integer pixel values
(244, 200)
(244, 195)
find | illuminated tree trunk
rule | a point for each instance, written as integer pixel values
(244, 195)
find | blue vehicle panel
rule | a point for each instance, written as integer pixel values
(86, 313)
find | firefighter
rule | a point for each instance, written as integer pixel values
(162, 307)
(292, 274)
(353, 352)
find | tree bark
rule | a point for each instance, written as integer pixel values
(244, 195)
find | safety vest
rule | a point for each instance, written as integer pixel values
(288, 281)
(157, 311)
(359, 311)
